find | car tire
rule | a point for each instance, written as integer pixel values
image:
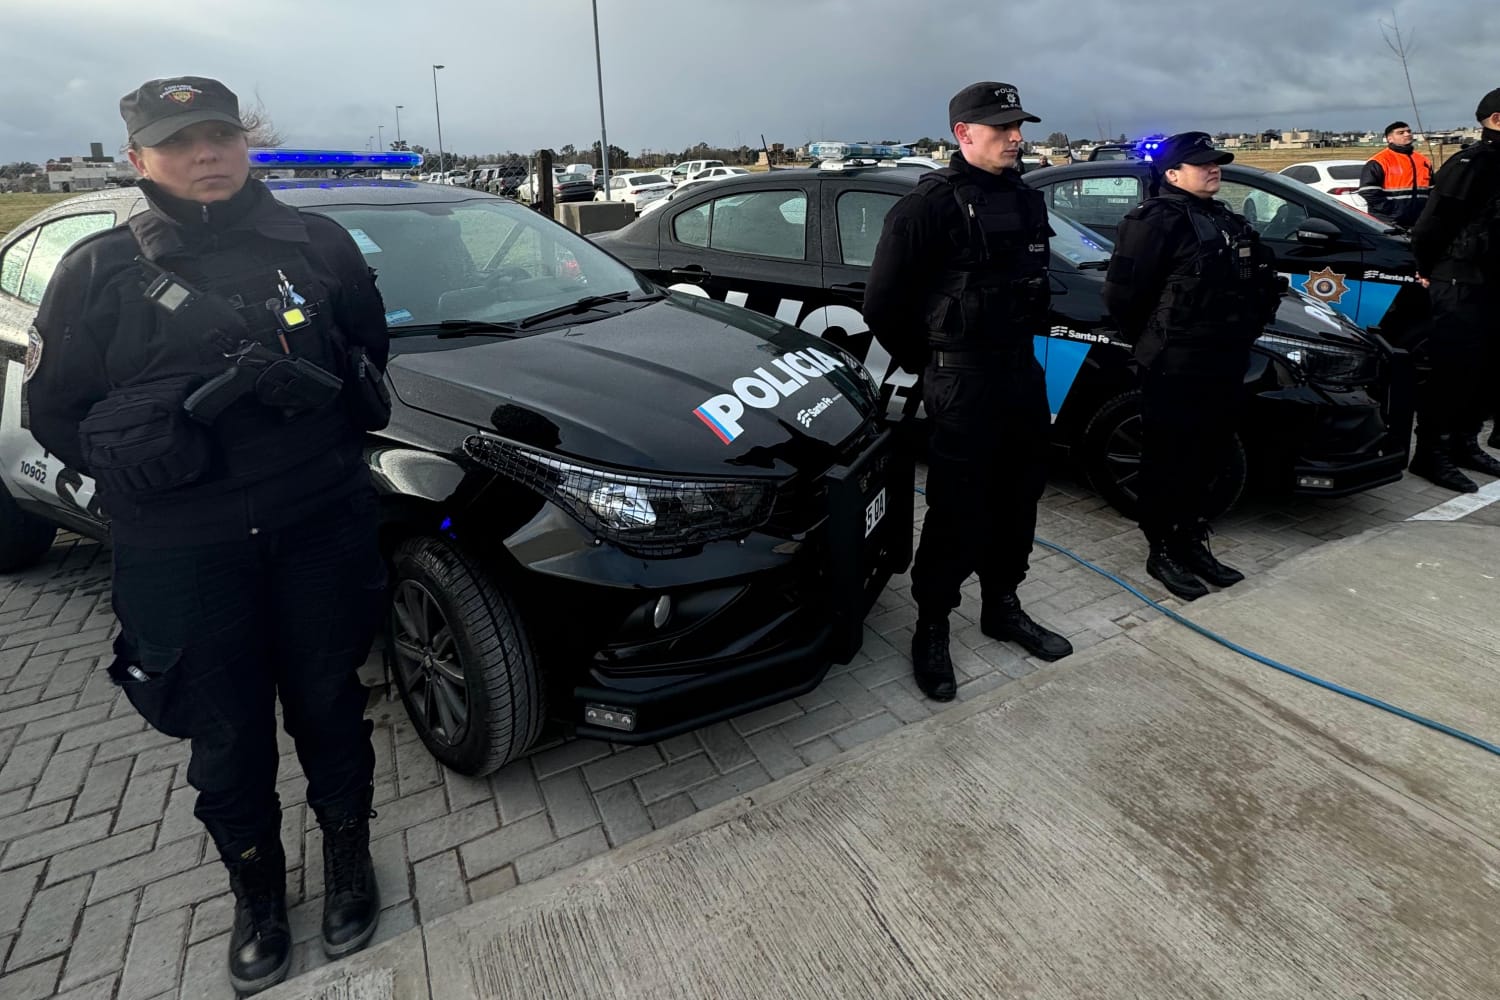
(488, 655)
(24, 538)
(1111, 459)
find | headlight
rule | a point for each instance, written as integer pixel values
(1324, 362)
(640, 513)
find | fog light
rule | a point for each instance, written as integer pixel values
(663, 611)
(1315, 482)
(609, 717)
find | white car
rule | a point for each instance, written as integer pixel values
(680, 191)
(638, 189)
(688, 169)
(1339, 178)
(717, 173)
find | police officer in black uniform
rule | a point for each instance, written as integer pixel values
(957, 291)
(1457, 244)
(1192, 286)
(213, 364)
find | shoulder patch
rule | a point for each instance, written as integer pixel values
(33, 351)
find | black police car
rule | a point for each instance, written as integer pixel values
(642, 511)
(1331, 404)
(1331, 252)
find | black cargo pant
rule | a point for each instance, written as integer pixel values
(223, 629)
(1188, 422)
(1463, 346)
(986, 470)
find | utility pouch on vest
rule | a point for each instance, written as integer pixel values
(369, 400)
(138, 440)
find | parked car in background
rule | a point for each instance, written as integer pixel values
(680, 191)
(1338, 178)
(689, 169)
(638, 190)
(565, 187)
(714, 173)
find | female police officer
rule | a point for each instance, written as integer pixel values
(1192, 286)
(203, 363)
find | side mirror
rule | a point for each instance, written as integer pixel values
(1312, 230)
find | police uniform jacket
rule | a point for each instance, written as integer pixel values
(1457, 237)
(1190, 284)
(961, 266)
(100, 335)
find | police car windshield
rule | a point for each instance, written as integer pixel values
(1078, 245)
(481, 261)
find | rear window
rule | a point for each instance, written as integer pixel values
(637, 180)
(1346, 172)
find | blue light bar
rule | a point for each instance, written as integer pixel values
(322, 159)
(855, 150)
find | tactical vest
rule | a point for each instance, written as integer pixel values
(1228, 284)
(993, 295)
(1474, 256)
(250, 439)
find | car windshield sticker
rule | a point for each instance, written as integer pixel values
(764, 390)
(362, 240)
(397, 316)
(33, 352)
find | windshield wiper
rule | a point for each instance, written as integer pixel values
(584, 305)
(469, 327)
(1093, 265)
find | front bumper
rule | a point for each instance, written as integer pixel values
(1321, 440)
(762, 619)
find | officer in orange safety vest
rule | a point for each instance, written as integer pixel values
(1395, 181)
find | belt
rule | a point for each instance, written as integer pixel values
(974, 359)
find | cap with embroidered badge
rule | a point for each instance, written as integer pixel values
(988, 103)
(1189, 147)
(159, 109)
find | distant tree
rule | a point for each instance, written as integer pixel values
(17, 170)
(1057, 139)
(569, 151)
(258, 124)
(619, 159)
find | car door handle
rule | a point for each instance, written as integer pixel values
(690, 272)
(854, 289)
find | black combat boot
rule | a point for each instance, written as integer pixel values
(1467, 454)
(351, 901)
(260, 945)
(1002, 618)
(1191, 551)
(932, 667)
(1173, 575)
(1434, 463)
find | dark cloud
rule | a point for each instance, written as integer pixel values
(520, 75)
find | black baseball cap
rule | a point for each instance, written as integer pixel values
(1488, 105)
(1189, 147)
(988, 103)
(159, 109)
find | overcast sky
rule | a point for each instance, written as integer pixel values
(522, 75)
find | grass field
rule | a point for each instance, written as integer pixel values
(1276, 159)
(17, 208)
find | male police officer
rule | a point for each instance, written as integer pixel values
(203, 363)
(1395, 182)
(957, 290)
(1192, 286)
(1457, 245)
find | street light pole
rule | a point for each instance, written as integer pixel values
(599, 70)
(380, 134)
(439, 113)
(398, 123)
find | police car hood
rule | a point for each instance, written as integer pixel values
(686, 385)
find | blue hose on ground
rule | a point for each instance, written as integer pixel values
(1396, 710)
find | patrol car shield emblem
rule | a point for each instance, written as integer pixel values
(1326, 285)
(33, 352)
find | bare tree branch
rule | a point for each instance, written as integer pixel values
(1403, 50)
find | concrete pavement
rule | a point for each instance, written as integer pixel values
(107, 886)
(1157, 817)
